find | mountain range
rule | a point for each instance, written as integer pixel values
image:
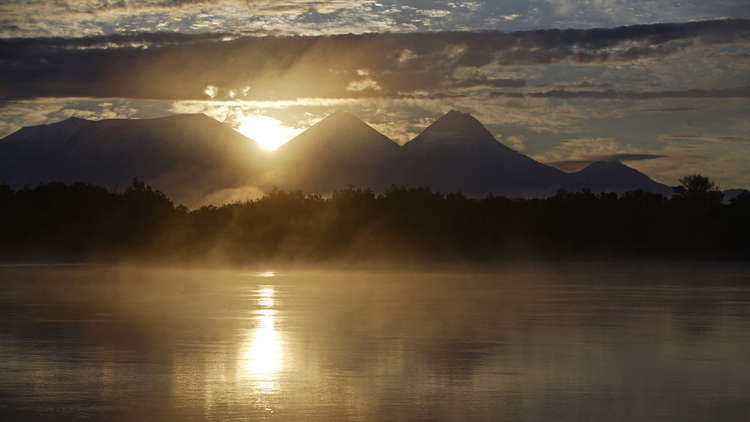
(191, 156)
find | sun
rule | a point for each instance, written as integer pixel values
(268, 132)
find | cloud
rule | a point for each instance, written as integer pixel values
(631, 157)
(551, 130)
(181, 66)
(580, 148)
(406, 55)
(484, 81)
(736, 92)
(577, 153)
(74, 18)
(670, 109)
(701, 138)
(212, 91)
(725, 163)
(515, 142)
(363, 85)
(570, 166)
(17, 114)
(435, 13)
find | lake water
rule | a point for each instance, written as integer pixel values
(534, 342)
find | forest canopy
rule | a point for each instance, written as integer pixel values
(79, 222)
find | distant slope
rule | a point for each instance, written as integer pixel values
(196, 160)
(187, 156)
(614, 176)
(339, 150)
(730, 194)
(457, 153)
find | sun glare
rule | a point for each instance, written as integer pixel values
(267, 131)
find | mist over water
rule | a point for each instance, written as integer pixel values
(532, 342)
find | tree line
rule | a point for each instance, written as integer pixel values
(79, 222)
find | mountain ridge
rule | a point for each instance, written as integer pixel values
(614, 176)
(452, 127)
(457, 153)
(189, 155)
(186, 155)
(330, 125)
(339, 150)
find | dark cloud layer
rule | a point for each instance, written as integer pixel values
(75, 18)
(703, 138)
(184, 66)
(737, 92)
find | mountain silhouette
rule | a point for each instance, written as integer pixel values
(454, 128)
(614, 176)
(195, 159)
(457, 153)
(728, 195)
(187, 155)
(339, 150)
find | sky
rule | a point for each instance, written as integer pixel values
(662, 85)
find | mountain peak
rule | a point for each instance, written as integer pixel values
(340, 130)
(69, 123)
(456, 114)
(342, 120)
(75, 119)
(179, 117)
(455, 120)
(455, 127)
(614, 176)
(337, 151)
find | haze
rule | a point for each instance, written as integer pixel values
(357, 210)
(534, 342)
(662, 84)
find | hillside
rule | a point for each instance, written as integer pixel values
(614, 176)
(189, 156)
(196, 160)
(339, 150)
(457, 153)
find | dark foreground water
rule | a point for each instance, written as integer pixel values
(539, 342)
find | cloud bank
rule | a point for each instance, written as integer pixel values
(224, 67)
(677, 91)
(77, 18)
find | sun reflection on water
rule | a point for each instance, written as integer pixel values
(261, 355)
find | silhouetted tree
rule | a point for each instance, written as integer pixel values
(698, 187)
(57, 221)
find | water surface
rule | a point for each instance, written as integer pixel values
(536, 342)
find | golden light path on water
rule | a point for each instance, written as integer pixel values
(261, 355)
